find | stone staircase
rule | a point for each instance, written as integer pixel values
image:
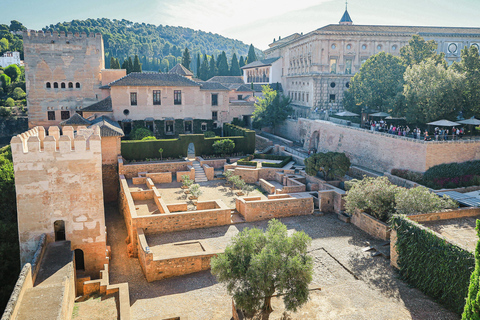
(200, 175)
(53, 293)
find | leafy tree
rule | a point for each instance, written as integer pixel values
(331, 164)
(374, 196)
(161, 153)
(241, 63)
(223, 65)
(470, 67)
(10, 103)
(16, 26)
(137, 66)
(4, 45)
(186, 60)
(139, 133)
(420, 200)
(257, 264)
(224, 146)
(251, 55)
(234, 67)
(379, 83)
(272, 109)
(212, 69)
(186, 181)
(432, 92)
(247, 188)
(165, 65)
(195, 190)
(13, 71)
(419, 50)
(472, 305)
(112, 63)
(18, 93)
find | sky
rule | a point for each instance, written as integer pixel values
(251, 21)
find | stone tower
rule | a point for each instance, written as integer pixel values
(62, 73)
(58, 180)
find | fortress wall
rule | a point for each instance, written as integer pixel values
(58, 178)
(277, 206)
(378, 151)
(132, 170)
(61, 58)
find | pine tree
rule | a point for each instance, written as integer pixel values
(251, 54)
(472, 305)
(213, 70)
(234, 67)
(241, 63)
(198, 66)
(223, 65)
(204, 70)
(186, 59)
(137, 66)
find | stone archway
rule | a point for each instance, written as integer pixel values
(314, 141)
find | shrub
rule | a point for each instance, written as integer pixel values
(239, 183)
(149, 138)
(18, 94)
(331, 164)
(5, 112)
(139, 133)
(234, 180)
(224, 146)
(247, 188)
(420, 200)
(409, 175)
(374, 196)
(10, 103)
(209, 134)
(472, 305)
(195, 190)
(186, 181)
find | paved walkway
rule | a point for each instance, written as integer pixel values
(354, 285)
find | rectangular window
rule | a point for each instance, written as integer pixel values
(169, 127)
(303, 96)
(307, 97)
(333, 65)
(295, 96)
(65, 115)
(332, 98)
(239, 97)
(51, 115)
(348, 66)
(214, 99)
(188, 126)
(204, 126)
(214, 115)
(157, 100)
(177, 97)
(133, 98)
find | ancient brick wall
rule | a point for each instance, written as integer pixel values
(132, 170)
(371, 225)
(55, 182)
(267, 186)
(63, 61)
(378, 151)
(215, 163)
(277, 206)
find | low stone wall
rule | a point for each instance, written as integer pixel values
(160, 177)
(448, 214)
(400, 181)
(252, 174)
(261, 143)
(209, 171)
(276, 206)
(370, 225)
(267, 186)
(214, 163)
(158, 268)
(24, 283)
(190, 173)
(132, 170)
(358, 173)
(292, 185)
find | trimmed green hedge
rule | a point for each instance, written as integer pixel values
(247, 160)
(248, 144)
(438, 268)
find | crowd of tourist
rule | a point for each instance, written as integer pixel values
(439, 134)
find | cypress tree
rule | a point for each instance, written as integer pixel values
(223, 65)
(234, 67)
(198, 66)
(112, 63)
(137, 66)
(213, 70)
(471, 310)
(125, 65)
(130, 65)
(204, 70)
(241, 63)
(186, 59)
(251, 54)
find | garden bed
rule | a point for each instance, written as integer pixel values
(370, 225)
(250, 160)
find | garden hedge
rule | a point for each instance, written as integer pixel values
(438, 268)
(247, 160)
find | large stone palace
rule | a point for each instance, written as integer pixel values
(315, 68)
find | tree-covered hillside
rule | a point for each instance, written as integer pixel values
(123, 38)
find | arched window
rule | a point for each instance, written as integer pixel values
(55, 85)
(48, 85)
(79, 260)
(77, 85)
(70, 85)
(62, 85)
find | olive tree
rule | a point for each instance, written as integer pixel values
(331, 164)
(421, 200)
(257, 264)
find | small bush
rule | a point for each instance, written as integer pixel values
(186, 181)
(195, 190)
(420, 200)
(224, 146)
(10, 103)
(18, 94)
(140, 133)
(209, 134)
(149, 138)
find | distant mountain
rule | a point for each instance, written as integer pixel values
(123, 38)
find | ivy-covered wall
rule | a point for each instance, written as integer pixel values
(438, 268)
(179, 127)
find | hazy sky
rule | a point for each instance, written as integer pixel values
(251, 21)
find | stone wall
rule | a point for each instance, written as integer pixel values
(267, 186)
(277, 206)
(370, 225)
(160, 177)
(209, 171)
(132, 170)
(59, 178)
(378, 151)
(214, 163)
(24, 282)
